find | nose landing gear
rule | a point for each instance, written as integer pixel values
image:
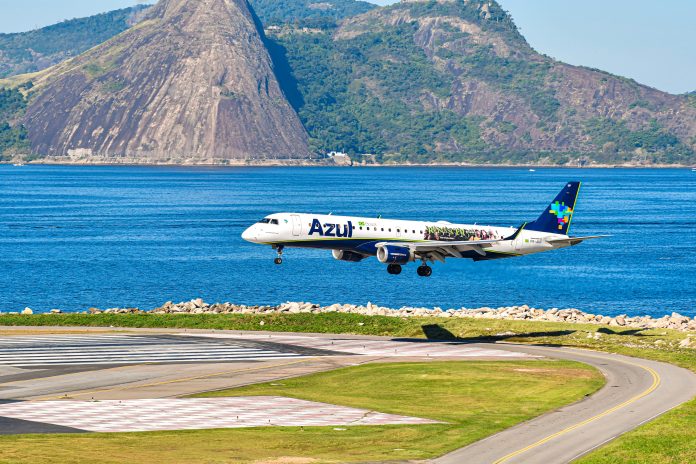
(279, 249)
(394, 269)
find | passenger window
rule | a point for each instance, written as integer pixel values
(389, 230)
(398, 230)
(382, 229)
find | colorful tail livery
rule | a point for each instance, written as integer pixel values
(557, 217)
(396, 243)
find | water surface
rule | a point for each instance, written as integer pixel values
(75, 237)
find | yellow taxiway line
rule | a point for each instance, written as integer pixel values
(652, 388)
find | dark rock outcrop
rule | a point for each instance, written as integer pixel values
(192, 83)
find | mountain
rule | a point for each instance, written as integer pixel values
(454, 80)
(28, 52)
(192, 83)
(35, 50)
(416, 82)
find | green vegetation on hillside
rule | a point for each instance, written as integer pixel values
(464, 395)
(692, 98)
(373, 87)
(31, 51)
(307, 12)
(13, 135)
(616, 138)
(363, 96)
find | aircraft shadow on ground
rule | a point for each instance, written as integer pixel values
(435, 332)
(636, 332)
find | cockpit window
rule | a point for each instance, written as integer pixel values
(265, 221)
(274, 222)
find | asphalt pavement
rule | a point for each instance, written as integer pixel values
(636, 391)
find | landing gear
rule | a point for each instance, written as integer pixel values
(425, 271)
(394, 269)
(279, 249)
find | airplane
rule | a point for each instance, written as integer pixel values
(396, 243)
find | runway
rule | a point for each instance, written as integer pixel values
(156, 364)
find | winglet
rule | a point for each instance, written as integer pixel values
(517, 232)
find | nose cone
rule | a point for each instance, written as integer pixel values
(250, 234)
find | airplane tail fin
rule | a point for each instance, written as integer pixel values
(558, 215)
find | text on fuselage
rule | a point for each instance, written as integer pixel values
(331, 230)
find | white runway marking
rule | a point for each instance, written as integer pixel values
(196, 413)
(377, 347)
(32, 351)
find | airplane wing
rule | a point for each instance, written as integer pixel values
(440, 249)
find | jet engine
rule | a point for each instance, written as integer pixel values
(343, 255)
(392, 254)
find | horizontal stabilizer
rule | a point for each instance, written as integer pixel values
(573, 240)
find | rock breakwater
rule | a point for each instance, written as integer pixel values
(674, 321)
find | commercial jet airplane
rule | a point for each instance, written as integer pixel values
(396, 242)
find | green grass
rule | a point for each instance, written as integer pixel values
(473, 398)
(670, 438)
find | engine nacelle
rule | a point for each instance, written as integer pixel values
(343, 255)
(392, 254)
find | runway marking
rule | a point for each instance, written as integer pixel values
(120, 349)
(168, 382)
(388, 348)
(652, 388)
(197, 413)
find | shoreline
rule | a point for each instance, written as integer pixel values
(329, 163)
(675, 321)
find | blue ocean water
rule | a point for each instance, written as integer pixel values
(75, 237)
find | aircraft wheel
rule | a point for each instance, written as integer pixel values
(425, 271)
(278, 260)
(394, 269)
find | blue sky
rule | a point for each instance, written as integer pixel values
(651, 42)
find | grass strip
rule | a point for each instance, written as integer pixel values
(473, 398)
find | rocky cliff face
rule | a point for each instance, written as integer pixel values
(192, 83)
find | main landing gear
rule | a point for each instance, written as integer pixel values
(279, 249)
(425, 271)
(394, 269)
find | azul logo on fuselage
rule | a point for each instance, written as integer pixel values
(331, 230)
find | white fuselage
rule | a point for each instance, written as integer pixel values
(363, 235)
